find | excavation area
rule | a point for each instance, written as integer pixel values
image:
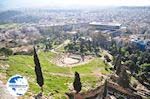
(69, 59)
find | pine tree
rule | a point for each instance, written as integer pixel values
(38, 71)
(77, 84)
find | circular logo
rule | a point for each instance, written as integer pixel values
(17, 85)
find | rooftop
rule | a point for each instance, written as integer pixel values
(105, 23)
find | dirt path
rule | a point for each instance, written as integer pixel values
(61, 74)
(4, 94)
(96, 74)
(54, 50)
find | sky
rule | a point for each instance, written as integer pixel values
(67, 3)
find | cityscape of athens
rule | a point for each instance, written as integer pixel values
(75, 49)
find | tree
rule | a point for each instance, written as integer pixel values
(113, 48)
(95, 47)
(38, 71)
(82, 49)
(69, 47)
(77, 84)
(99, 37)
(107, 58)
(6, 51)
(48, 46)
(105, 89)
(89, 46)
(145, 73)
(117, 65)
(115, 61)
(131, 65)
(124, 78)
(96, 50)
(82, 46)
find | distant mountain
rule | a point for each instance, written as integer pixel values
(29, 15)
(6, 16)
(11, 16)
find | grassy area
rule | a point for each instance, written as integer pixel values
(55, 85)
(9, 25)
(95, 65)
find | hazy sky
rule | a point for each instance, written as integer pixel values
(63, 3)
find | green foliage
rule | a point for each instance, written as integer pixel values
(144, 73)
(83, 47)
(131, 65)
(124, 78)
(145, 67)
(107, 58)
(69, 47)
(6, 51)
(118, 64)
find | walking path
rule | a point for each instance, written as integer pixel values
(4, 94)
(54, 50)
(97, 74)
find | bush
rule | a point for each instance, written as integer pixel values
(134, 84)
(6, 51)
(107, 58)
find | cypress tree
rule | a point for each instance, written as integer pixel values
(116, 58)
(77, 84)
(38, 71)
